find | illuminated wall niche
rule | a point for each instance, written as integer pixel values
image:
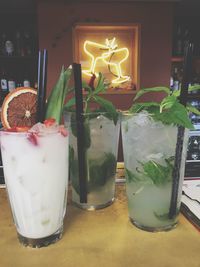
(110, 49)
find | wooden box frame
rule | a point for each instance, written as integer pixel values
(131, 31)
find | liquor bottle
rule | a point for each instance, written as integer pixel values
(9, 47)
(27, 43)
(179, 42)
(171, 84)
(2, 44)
(11, 84)
(19, 47)
(186, 38)
(26, 83)
(4, 85)
(175, 79)
(35, 85)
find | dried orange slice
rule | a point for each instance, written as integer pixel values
(19, 108)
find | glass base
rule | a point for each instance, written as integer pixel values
(40, 242)
(91, 207)
(154, 229)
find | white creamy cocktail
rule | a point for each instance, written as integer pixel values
(36, 175)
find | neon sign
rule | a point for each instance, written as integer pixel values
(110, 54)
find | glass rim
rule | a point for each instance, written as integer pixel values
(89, 113)
(39, 134)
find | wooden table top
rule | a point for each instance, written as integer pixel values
(103, 238)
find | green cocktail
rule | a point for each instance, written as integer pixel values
(149, 152)
(154, 138)
(101, 135)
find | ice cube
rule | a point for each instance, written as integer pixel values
(142, 118)
(41, 128)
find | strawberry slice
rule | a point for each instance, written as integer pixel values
(33, 139)
(22, 128)
(63, 131)
(18, 129)
(13, 129)
(49, 122)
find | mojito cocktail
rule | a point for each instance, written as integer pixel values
(149, 153)
(36, 176)
(101, 135)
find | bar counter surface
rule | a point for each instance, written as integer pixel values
(101, 238)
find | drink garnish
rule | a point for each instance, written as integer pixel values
(19, 108)
(169, 110)
(49, 122)
(55, 101)
(92, 97)
(33, 139)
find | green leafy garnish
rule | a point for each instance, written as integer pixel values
(150, 90)
(132, 177)
(137, 107)
(55, 101)
(92, 97)
(99, 171)
(152, 171)
(169, 110)
(158, 173)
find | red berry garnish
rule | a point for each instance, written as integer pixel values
(13, 129)
(49, 122)
(22, 128)
(33, 139)
(63, 131)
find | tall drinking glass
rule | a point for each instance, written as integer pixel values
(149, 153)
(36, 177)
(101, 135)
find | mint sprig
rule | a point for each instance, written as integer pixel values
(92, 97)
(152, 171)
(169, 110)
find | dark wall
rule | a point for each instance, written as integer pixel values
(55, 21)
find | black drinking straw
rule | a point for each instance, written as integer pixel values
(42, 83)
(187, 69)
(80, 132)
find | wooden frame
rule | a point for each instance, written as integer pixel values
(126, 35)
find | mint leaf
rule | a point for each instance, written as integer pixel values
(176, 93)
(169, 111)
(176, 115)
(99, 171)
(131, 177)
(100, 85)
(191, 88)
(108, 107)
(153, 89)
(144, 105)
(167, 102)
(192, 109)
(158, 173)
(194, 87)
